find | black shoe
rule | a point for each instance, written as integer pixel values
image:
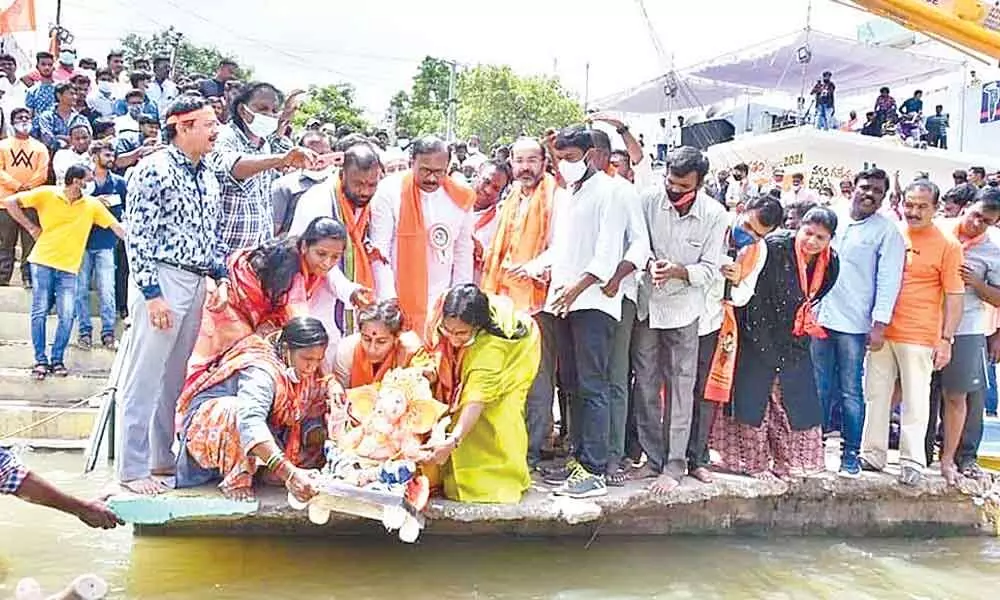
(85, 342)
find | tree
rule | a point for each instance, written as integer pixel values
(424, 109)
(498, 105)
(332, 104)
(189, 59)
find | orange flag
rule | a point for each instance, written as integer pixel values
(19, 16)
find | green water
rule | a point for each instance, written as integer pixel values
(55, 548)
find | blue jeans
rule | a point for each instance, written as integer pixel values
(46, 281)
(585, 340)
(838, 362)
(824, 117)
(100, 264)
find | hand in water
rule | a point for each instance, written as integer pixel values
(97, 515)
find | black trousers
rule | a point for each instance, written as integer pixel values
(10, 233)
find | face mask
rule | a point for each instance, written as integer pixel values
(67, 58)
(104, 87)
(796, 186)
(134, 111)
(262, 126)
(88, 188)
(573, 172)
(291, 374)
(22, 127)
(318, 175)
(742, 238)
(681, 199)
(737, 177)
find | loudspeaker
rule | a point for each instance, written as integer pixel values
(704, 134)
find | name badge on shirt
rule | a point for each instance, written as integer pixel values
(440, 238)
(110, 200)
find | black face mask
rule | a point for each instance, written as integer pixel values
(737, 177)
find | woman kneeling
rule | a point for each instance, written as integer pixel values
(489, 356)
(259, 404)
(380, 345)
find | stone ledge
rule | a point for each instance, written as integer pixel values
(874, 505)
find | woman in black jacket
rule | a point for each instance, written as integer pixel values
(775, 425)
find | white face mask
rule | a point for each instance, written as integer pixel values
(262, 126)
(104, 87)
(88, 188)
(22, 127)
(573, 172)
(319, 175)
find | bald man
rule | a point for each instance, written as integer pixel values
(422, 223)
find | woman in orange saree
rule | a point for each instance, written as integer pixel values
(381, 344)
(261, 404)
(285, 277)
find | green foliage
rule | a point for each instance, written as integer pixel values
(498, 105)
(190, 58)
(332, 104)
(493, 102)
(424, 109)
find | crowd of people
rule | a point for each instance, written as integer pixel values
(905, 121)
(676, 330)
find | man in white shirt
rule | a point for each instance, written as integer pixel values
(12, 88)
(676, 134)
(687, 229)
(422, 223)
(492, 179)
(586, 249)
(662, 141)
(799, 192)
(161, 91)
(622, 285)
(740, 188)
(762, 215)
(78, 152)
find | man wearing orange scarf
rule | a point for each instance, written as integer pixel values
(524, 233)
(491, 180)
(422, 222)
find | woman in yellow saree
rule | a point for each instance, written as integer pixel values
(488, 357)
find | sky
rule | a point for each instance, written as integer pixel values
(376, 45)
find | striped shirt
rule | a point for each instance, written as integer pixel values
(12, 472)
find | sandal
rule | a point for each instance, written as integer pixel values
(59, 370)
(616, 477)
(39, 371)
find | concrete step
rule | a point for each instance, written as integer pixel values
(16, 299)
(17, 327)
(17, 385)
(25, 423)
(96, 362)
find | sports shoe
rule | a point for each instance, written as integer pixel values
(850, 467)
(583, 484)
(559, 475)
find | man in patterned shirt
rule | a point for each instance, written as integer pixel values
(248, 157)
(176, 257)
(16, 480)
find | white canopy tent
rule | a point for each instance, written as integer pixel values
(775, 67)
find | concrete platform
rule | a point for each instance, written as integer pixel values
(18, 384)
(16, 299)
(53, 426)
(874, 505)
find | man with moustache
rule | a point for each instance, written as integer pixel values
(289, 189)
(856, 312)
(177, 258)
(524, 234)
(422, 223)
(918, 338)
(491, 179)
(347, 197)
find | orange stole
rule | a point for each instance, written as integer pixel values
(515, 243)
(719, 384)
(363, 372)
(356, 227)
(412, 245)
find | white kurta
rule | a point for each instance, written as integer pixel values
(317, 201)
(323, 305)
(484, 236)
(449, 247)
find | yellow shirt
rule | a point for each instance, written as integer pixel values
(65, 226)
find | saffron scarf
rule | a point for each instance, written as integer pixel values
(412, 245)
(805, 318)
(363, 372)
(294, 401)
(516, 242)
(719, 384)
(360, 253)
